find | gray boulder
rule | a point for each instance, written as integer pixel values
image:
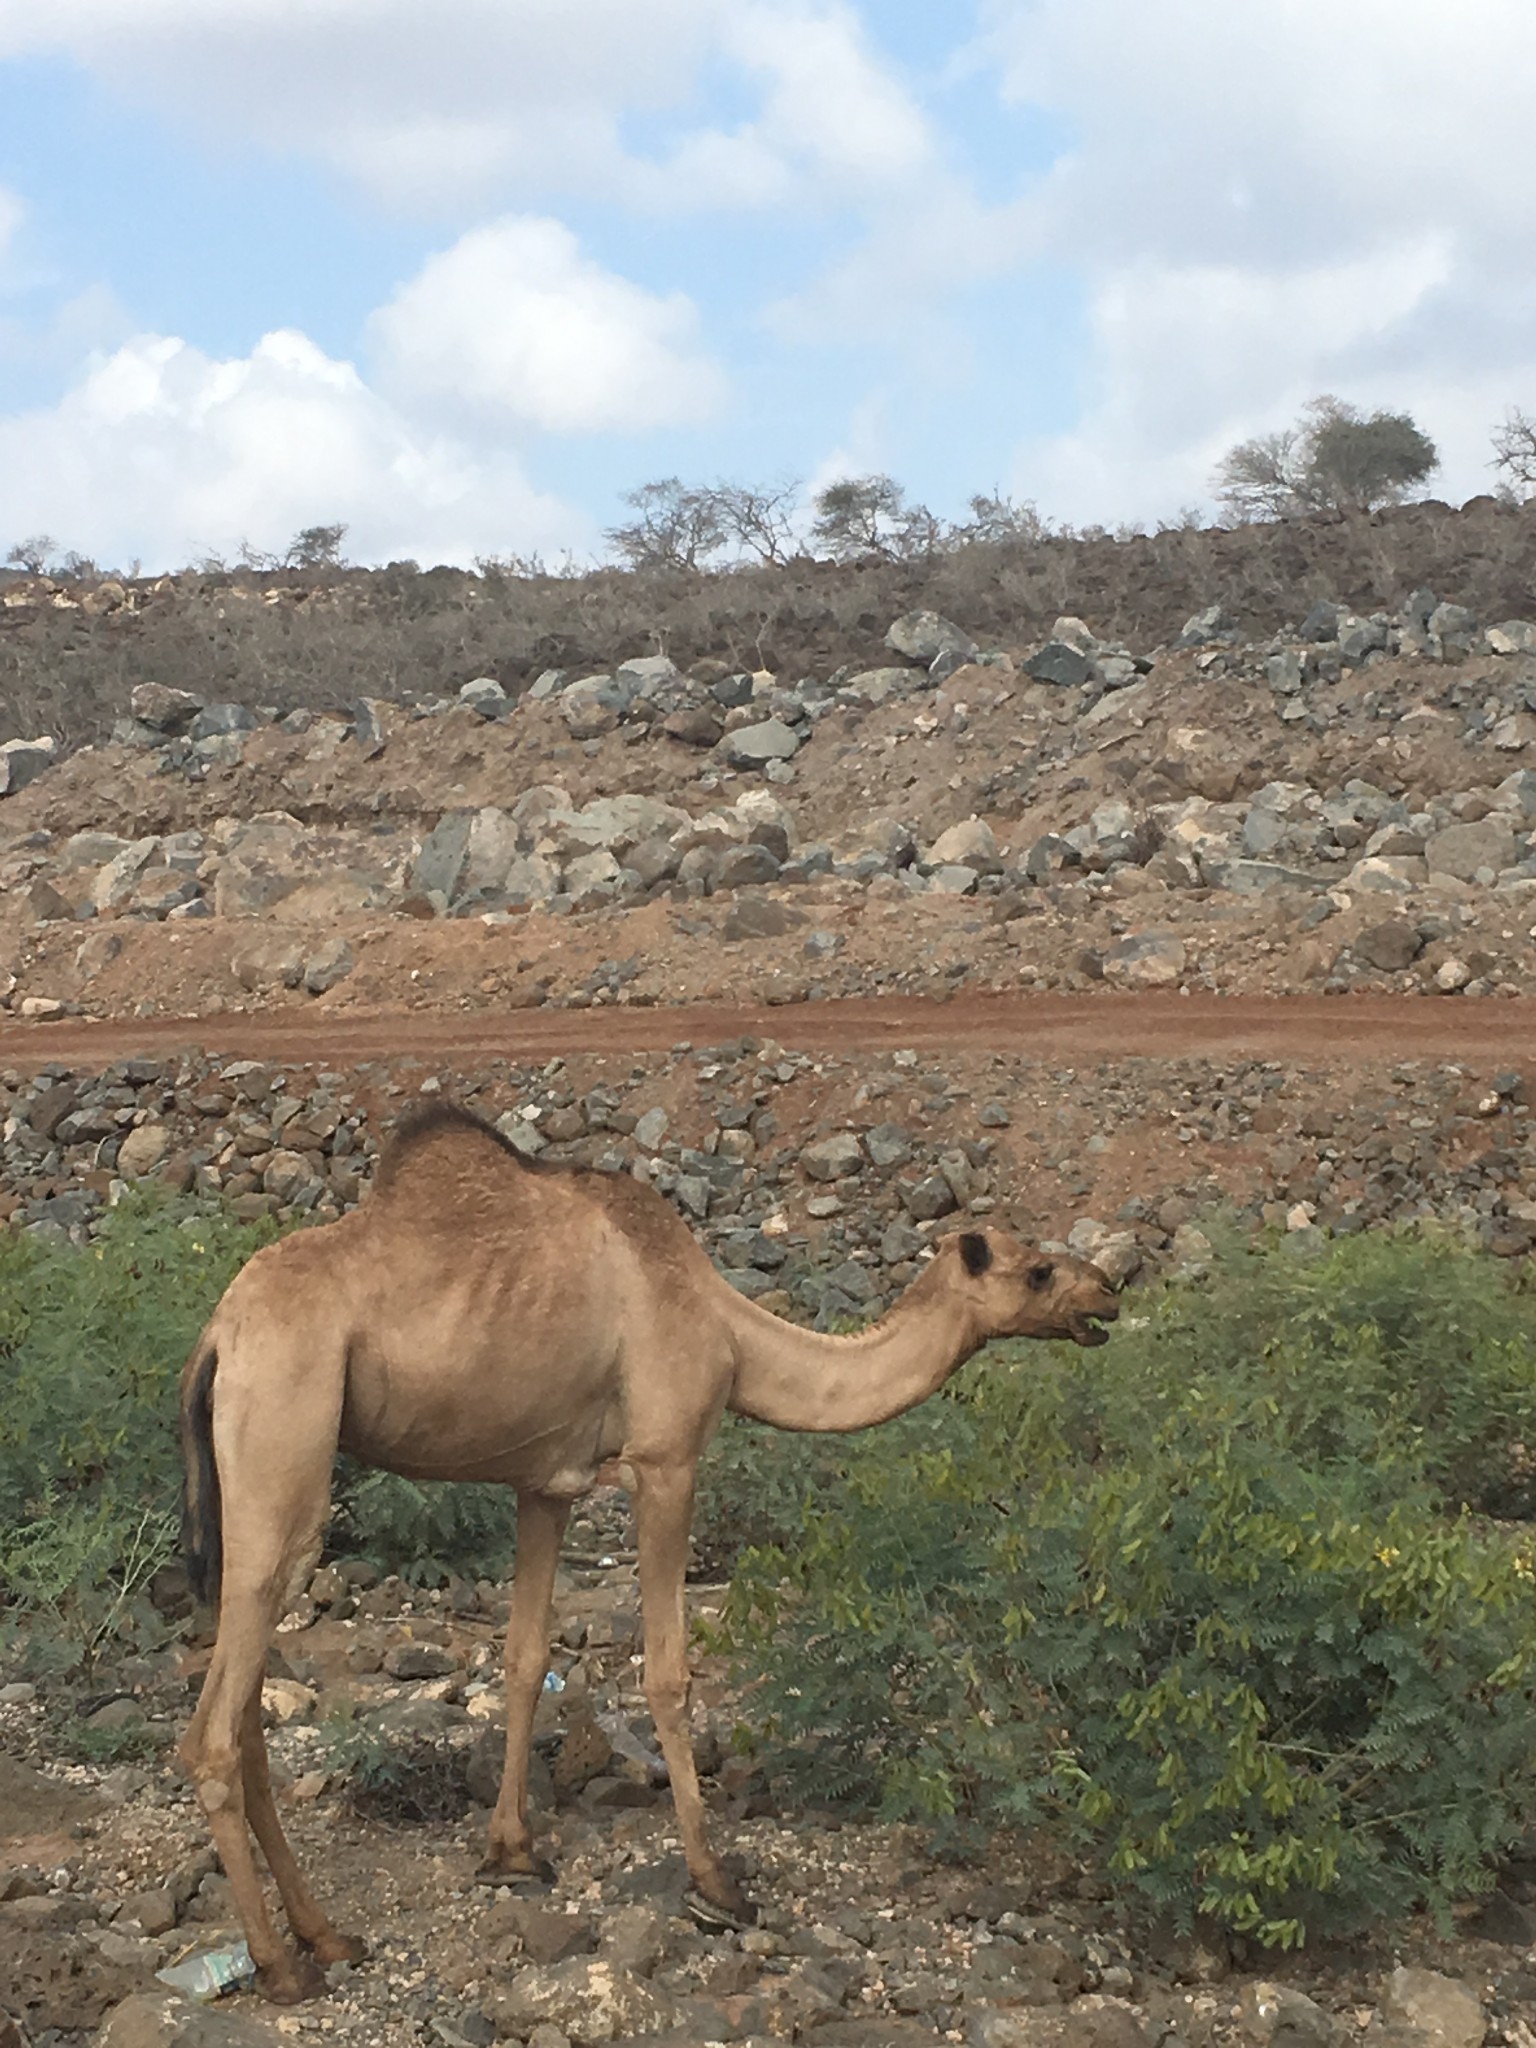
(1058, 663)
(1461, 851)
(923, 636)
(753, 746)
(162, 709)
(485, 695)
(22, 761)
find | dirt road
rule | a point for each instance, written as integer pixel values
(1063, 1031)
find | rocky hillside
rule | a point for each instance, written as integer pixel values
(1342, 805)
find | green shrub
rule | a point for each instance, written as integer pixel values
(1207, 1601)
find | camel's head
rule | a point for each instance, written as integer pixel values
(1021, 1291)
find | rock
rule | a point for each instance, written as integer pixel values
(162, 709)
(1058, 663)
(285, 1700)
(375, 721)
(1445, 2012)
(971, 843)
(648, 674)
(154, 1910)
(485, 695)
(740, 867)
(1212, 627)
(875, 685)
(267, 962)
(930, 1198)
(1464, 850)
(760, 917)
(1513, 734)
(262, 864)
(1149, 960)
(610, 824)
(287, 1174)
(418, 1660)
(592, 706)
(832, 1158)
(548, 1935)
(218, 721)
(694, 725)
(437, 868)
(753, 746)
(330, 963)
(1514, 636)
(1451, 977)
(22, 761)
(142, 1150)
(634, 1938)
(923, 636)
(115, 882)
(650, 1129)
(1275, 2016)
(1389, 947)
(1452, 632)
(166, 2020)
(590, 2000)
(43, 903)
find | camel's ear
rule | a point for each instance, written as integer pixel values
(976, 1252)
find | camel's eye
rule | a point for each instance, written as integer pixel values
(1040, 1276)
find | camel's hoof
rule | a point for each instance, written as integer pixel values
(539, 1876)
(715, 1918)
(291, 1981)
(332, 1947)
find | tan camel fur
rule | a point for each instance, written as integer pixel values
(553, 1330)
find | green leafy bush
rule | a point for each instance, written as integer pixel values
(1209, 1601)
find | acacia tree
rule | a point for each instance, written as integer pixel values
(1335, 459)
(316, 547)
(33, 554)
(677, 526)
(864, 517)
(996, 518)
(1514, 452)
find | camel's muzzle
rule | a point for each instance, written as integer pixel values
(1087, 1329)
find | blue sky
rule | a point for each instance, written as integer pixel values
(461, 276)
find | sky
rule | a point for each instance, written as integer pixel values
(462, 274)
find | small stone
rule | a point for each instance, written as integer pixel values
(832, 1158)
(142, 1150)
(329, 964)
(1446, 2012)
(1150, 960)
(419, 1660)
(1275, 2016)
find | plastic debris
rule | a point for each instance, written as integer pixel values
(208, 1973)
(553, 1682)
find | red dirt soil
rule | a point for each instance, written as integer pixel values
(1344, 1029)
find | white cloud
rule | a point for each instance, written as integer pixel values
(1266, 203)
(514, 321)
(162, 452)
(12, 213)
(476, 102)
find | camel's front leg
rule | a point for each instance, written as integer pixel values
(664, 1511)
(540, 1528)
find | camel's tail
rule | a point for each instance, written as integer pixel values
(202, 1518)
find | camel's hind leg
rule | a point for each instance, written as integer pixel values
(304, 1915)
(540, 1527)
(274, 1431)
(664, 1512)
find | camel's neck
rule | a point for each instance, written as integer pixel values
(797, 1379)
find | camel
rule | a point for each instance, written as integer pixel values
(552, 1329)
